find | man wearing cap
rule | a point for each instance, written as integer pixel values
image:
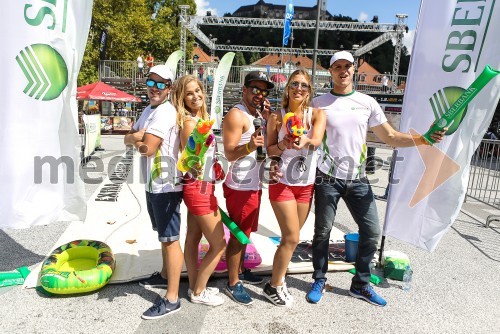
(242, 188)
(349, 114)
(156, 136)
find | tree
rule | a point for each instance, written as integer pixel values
(239, 59)
(255, 56)
(133, 27)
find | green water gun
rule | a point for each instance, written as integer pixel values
(197, 145)
(373, 278)
(234, 228)
(16, 277)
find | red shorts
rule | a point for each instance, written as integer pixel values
(280, 192)
(243, 208)
(199, 197)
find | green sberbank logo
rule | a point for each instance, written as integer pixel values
(45, 70)
(441, 102)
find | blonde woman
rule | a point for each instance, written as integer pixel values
(291, 196)
(203, 212)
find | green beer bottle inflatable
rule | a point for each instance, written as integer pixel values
(486, 75)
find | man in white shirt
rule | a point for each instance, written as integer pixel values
(156, 137)
(349, 114)
(140, 65)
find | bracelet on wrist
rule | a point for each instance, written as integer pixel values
(278, 146)
(248, 147)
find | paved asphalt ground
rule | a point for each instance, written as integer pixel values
(454, 290)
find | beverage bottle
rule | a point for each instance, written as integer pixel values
(407, 278)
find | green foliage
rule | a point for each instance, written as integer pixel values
(254, 56)
(134, 27)
(239, 59)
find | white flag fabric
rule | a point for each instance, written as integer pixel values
(173, 61)
(216, 104)
(454, 42)
(43, 48)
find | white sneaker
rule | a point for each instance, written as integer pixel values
(287, 293)
(209, 289)
(207, 298)
(276, 295)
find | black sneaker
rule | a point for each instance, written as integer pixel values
(276, 295)
(248, 277)
(155, 281)
(161, 308)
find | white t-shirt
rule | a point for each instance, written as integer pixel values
(140, 62)
(298, 166)
(348, 118)
(161, 176)
(244, 173)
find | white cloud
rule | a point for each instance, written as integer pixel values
(408, 40)
(202, 6)
(362, 17)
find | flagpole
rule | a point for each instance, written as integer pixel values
(287, 29)
(316, 37)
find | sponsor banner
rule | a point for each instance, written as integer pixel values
(216, 105)
(454, 42)
(41, 60)
(103, 44)
(287, 29)
(92, 125)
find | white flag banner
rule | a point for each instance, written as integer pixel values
(454, 42)
(221, 74)
(43, 48)
(173, 61)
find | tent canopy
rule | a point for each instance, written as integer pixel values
(101, 91)
(278, 77)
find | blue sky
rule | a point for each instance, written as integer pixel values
(362, 10)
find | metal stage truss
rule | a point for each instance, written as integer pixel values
(389, 31)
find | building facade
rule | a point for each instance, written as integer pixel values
(269, 10)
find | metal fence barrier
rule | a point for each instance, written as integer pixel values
(484, 176)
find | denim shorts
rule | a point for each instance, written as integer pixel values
(165, 212)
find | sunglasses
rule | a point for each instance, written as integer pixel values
(257, 91)
(160, 85)
(296, 85)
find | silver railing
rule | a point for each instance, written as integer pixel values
(484, 176)
(127, 71)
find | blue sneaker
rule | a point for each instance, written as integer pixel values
(316, 292)
(161, 308)
(248, 277)
(367, 293)
(239, 294)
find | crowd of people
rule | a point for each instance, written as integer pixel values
(327, 160)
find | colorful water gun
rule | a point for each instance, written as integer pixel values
(198, 143)
(294, 126)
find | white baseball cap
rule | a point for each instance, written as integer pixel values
(163, 71)
(341, 55)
